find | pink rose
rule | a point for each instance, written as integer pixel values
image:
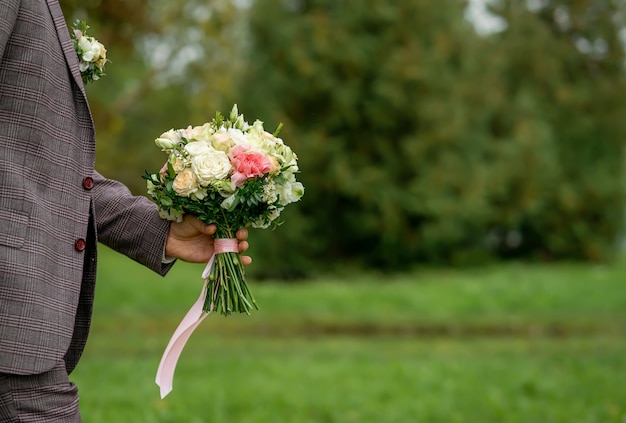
(248, 163)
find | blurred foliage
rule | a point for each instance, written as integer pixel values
(419, 139)
(171, 64)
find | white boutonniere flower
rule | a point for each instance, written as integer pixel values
(92, 55)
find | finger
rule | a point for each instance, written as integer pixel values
(246, 260)
(200, 226)
(242, 234)
(210, 229)
(243, 246)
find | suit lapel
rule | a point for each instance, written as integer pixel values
(66, 43)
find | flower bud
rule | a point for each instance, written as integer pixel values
(234, 113)
(168, 140)
(239, 123)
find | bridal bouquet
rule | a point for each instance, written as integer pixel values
(231, 174)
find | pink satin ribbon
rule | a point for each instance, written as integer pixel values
(193, 318)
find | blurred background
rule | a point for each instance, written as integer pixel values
(449, 134)
(470, 153)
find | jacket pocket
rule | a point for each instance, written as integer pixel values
(13, 228)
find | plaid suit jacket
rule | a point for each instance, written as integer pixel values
(54, 207)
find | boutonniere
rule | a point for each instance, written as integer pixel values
(92, 55)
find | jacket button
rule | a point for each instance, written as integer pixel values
(88, 183)
(80, 244)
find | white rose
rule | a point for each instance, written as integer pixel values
(257, 143)
(91, 49)
(208, 163)
(84, 44)
(237, 136)
(199, 133)
(222, 141)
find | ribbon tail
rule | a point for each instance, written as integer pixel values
(193, 318)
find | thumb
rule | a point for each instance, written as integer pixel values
(200, 226)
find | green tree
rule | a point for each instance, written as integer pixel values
(567, 57)
(421, 141)
(374, 98)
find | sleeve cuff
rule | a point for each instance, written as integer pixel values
(166, 259)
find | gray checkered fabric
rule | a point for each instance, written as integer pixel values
(44, 398)
(54, 208)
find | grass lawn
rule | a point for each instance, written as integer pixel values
(507, 343)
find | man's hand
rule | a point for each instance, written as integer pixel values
(192, 240)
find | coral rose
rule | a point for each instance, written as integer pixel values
(248, 163)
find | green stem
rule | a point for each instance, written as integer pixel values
(227, 288)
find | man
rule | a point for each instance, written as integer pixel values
(54, 208)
